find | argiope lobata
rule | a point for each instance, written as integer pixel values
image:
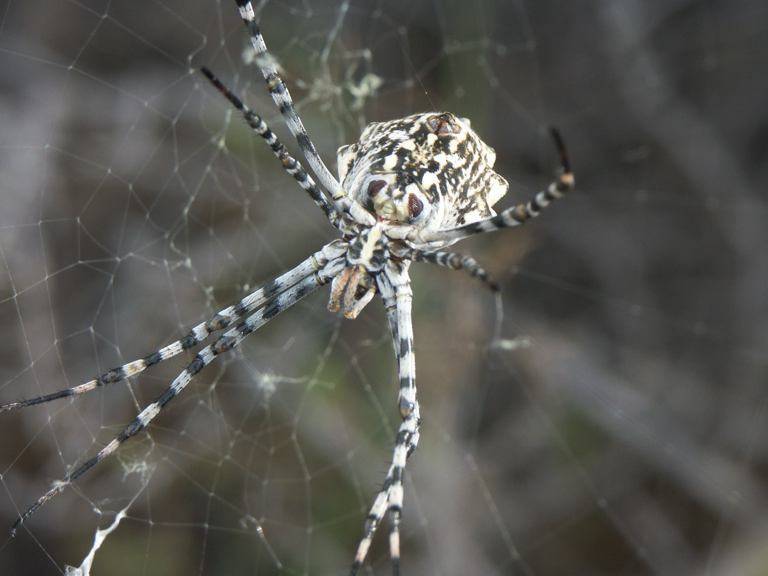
(406, 190)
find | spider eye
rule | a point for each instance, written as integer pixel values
(375, 187)
(415, 206)
(443, 125)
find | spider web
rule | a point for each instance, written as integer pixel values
(611, 421)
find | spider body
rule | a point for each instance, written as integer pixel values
(406, 189)
(428, 170)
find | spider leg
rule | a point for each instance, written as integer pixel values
(290, 164)
(376, 513)
(205, 356)
(407, 434)
(222, 319)
(379, 506)
(456, 262)
(514, 216)
(395, 289)
(282, 98)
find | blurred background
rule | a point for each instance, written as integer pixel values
(610, 418)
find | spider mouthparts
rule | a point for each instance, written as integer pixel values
(351, 291)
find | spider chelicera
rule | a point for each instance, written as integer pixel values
(406, 190)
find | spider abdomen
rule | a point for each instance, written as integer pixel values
(428, 170)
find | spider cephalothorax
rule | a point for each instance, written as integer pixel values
(428, 170)
(406, 190)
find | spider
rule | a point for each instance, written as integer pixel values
(405, 191)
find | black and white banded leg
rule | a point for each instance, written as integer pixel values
(205, 356)
(221, 320)
(514, 216)
(377, 511)
(289, 163)
(407, 434)
(282, 97)
(456, 261)
(394, 286)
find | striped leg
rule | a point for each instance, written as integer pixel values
(377, 511)
(205, 356)
(396, 293)
(282, 98)
(408, 432)
(456, 262)
(290, 164)
(516, 215)
(222, 319)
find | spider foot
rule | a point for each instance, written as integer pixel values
(390, 497)
(565, 180)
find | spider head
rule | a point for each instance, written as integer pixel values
(429, 170)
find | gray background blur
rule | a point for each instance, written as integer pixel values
(620, 425)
